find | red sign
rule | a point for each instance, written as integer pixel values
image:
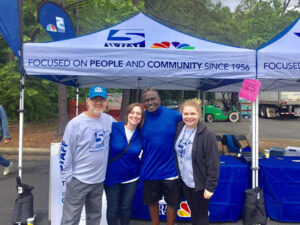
(250, 89)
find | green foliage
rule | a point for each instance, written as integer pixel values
(40, 99)
(9, 95)
(259, 21)
(93, 15)
(253, 23)
(198, 18)
(40, 95)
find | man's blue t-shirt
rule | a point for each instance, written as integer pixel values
(158, 160)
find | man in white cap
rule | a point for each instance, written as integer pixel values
(83, 159)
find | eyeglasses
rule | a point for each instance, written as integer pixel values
(99, 99)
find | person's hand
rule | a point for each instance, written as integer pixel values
(6, 140)
(207, 194)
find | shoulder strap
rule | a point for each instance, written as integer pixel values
(122, 153)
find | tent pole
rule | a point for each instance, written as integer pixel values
(22, 85)
(253, 162)
(257, 139)
(21, 123)
(203, 105)
(255, 143)
(77, 100)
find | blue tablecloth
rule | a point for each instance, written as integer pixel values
(226, 204)
(280, 182)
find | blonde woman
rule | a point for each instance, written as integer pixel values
(197, 160)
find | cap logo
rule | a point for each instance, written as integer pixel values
(98, 89)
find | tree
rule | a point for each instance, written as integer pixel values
(258, 21)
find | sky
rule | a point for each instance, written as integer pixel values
(232, 4)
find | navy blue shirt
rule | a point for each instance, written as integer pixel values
(126, 167)
(158, 160)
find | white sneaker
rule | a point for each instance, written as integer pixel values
(7, 169)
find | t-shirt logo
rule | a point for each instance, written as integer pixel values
(97, 143)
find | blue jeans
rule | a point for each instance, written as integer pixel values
(119, 196)
(4, 162)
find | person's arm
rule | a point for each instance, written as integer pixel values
(66, 152)
(4, 121)
(212, 164)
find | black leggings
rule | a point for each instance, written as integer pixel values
(198, 205)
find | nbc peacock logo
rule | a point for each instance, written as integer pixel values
(184, 210)
(174, 44)
(51, 27)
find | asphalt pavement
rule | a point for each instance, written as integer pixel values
(268, 128)
(36, 172)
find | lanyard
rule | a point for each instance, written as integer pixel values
(183, 143)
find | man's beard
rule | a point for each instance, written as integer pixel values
(96, 111)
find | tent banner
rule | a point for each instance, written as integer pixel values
(143, 47)
(55, 21)
(43, 60)
(9, 24)
(283, 65)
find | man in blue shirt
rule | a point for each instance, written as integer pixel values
(158, 169)
(4, 134)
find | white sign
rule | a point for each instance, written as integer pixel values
(114, 101)
(57, 191)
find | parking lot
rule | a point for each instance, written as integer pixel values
(268, 128)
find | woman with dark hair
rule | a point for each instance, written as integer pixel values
(198, 161)
(123, 169)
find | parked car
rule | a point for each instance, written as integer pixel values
(170, 103)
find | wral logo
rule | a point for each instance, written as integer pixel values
(97, 142)
(126, 38)
(98, 89)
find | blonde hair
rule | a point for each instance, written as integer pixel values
(196, 103)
